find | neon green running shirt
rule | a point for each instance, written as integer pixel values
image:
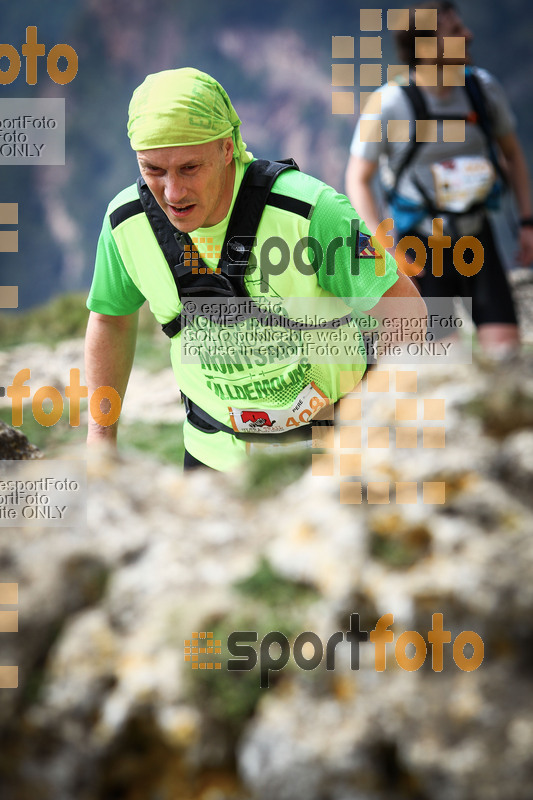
(130, 268)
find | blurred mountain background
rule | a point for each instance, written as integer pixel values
(273, 58)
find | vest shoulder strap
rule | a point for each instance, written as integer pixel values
(478, 101)
(420, 112)
(417, 100)
(254, 193)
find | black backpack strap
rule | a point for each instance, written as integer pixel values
(201, 420)
(172, 244)
(254, 194)
(478, 102)
(420, 112)
(163, 230)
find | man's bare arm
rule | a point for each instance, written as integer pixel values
(109, 350)
(405, 313)
(518, 173)
(404, 309)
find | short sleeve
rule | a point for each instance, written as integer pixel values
(354, 264)
(112, 292)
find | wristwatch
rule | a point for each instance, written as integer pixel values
(526, 222)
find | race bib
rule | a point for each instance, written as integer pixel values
(462, 182)
(278, 420)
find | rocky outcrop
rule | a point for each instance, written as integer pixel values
(108, 707)
(14, 445)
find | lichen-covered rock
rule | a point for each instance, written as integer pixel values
(108, 706)
(15, 446)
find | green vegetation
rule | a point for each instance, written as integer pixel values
(268, 474)
(271, 603)
(397, 545)
(65, 317)
(49, 440)
(268, 586)
(163, 441)
(229, 698)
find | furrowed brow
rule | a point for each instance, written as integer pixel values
(144, 162)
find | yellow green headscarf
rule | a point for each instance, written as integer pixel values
(182, 107)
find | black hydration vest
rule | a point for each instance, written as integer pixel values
(254, 194)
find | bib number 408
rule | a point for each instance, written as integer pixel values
(309, 411)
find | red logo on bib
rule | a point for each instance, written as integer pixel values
(258, 419)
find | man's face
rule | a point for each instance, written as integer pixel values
(193, 184)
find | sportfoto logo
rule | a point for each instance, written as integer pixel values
(275, 254)
(31, 51)
(49, 395)
(308, 650)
